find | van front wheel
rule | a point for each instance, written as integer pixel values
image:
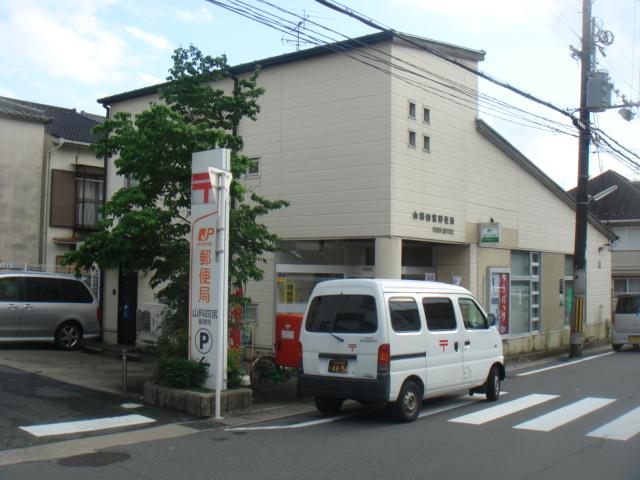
(492, 386)
(409, 402)
(328, 406)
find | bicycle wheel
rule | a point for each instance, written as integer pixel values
(261, 373)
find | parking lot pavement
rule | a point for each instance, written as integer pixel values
(97, 371)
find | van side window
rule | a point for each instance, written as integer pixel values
(472, 315)
(9, 289)
(342, 314)
(41, 289)
(439, 313)
(73, 291)
(404, 315)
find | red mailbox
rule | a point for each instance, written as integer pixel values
(288, 339)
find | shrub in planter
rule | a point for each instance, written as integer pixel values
(234, 368)
(176, 372)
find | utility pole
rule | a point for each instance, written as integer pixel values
(582, 194)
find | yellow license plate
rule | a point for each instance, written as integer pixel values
(338, 366)
(634, 339)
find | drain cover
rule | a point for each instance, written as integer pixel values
(98, 459)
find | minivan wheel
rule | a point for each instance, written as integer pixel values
(492, 386)
(616, 347)
(68, 336)
(409, 402)
(328, 406)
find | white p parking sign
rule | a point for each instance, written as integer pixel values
(204, 341)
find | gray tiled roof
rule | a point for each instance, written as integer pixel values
(65, 122)
(14, 108)
(622, 204)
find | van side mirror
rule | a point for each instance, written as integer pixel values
(492, 319)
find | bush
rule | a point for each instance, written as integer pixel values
(234, 368)
(176, 372)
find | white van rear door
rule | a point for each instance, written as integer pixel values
(627, 314)
(444, 345)
(340, 336)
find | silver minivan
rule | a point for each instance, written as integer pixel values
(626, 322)
(46, 307)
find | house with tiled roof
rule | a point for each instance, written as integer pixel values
(620, 210)
(52, 185)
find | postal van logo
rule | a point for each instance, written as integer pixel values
(443, 344)
(205, 233)
(352, 346)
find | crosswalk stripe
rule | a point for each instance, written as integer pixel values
(622, 428)
(564, 415)
(503, 409)
(86, 425)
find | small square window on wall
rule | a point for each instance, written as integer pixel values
(412, 139)
(426, 115)
(426, 143)
(412, 110)
(254, 168)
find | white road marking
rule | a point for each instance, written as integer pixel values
(131, 406)
(294, 425)
(503, 409)
(622, 428)
(80, 426)
(426, 412)
(532, 372)
(564, 415)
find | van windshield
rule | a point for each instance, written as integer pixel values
(342, 314)
(628, 305)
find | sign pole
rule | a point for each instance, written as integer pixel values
(208, 279)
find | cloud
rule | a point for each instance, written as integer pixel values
(62, 41)
(203, 15)
(156, 41)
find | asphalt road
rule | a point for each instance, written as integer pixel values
(29, 401)
(579, 411)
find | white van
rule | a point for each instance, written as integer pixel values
(396, 341)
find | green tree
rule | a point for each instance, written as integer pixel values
(145, 227)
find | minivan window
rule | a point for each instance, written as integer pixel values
(404, 315)
(9, 289)
(471, 315)
(439, 313)
(73, 291)
(40, 289)
(628, 305)
(342, 314)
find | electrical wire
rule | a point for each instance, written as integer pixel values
(416, 75)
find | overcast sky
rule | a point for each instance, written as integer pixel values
(71, 52)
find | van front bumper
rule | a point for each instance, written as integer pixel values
(363, 390)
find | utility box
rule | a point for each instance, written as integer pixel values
(288, 339)
(599, 89)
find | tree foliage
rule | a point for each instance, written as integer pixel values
(145, 226)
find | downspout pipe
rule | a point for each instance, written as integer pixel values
(47, 201)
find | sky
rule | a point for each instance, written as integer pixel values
(69, 53)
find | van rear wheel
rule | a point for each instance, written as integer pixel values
(409, 402)
(69, 336)
(616, 347)
(328, 406)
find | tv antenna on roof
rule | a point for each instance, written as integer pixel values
(297, 41)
